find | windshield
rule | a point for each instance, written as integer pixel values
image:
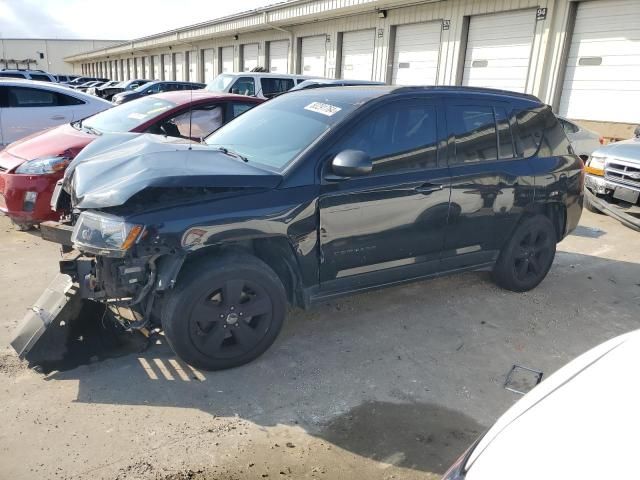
(276, 132)
(127, 116)
(220, 83)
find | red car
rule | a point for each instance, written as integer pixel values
(30, 168)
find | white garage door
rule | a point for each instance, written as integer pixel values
(179, 60)
(499, 50)
(147, 68)
(209, 72)
(416, 54)
(602, 79)
(156, 67)
(279, 56)
(167, 67)
(313, 56)
(193, 66)
(249, 57)
(357, 55)
(226, 57)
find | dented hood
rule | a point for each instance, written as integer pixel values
(121, 166)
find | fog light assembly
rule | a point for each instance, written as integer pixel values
(29, 202)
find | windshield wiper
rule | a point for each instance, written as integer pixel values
(92, 130)
(231, 153)
(77, 124)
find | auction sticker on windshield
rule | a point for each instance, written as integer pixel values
(323, 108)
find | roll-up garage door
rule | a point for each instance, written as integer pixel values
(602, 78)
(156, 67)
(193, 66)
(499, 50)
(179, 60)
(207, 57)
(279, 56)
(357, 55)
(139, 69)
(147, 68)
(313, 56)
(249, 57)
(416, 54)
(226, 59)
(167, 67)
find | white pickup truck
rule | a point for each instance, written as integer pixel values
(612, 183)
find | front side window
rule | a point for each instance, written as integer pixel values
(474, 129)
(126, 117)
(12, 75)
(244, 86)
(23, 97)
(273, 86)
(238, 108)
(397, 137)
(197, 123)
(40, 78)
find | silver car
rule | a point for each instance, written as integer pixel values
(612, 183)
(583, 140)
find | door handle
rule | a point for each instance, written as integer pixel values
(428, 188)
(58, 117)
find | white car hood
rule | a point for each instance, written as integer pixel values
(625, 150)
(583, 422)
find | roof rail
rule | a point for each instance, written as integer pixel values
(459, 88)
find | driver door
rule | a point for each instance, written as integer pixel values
(388, 225)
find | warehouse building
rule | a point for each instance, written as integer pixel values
(581, 57)
(46, 54)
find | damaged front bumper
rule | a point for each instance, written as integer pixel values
(127, 289)
(599, 191)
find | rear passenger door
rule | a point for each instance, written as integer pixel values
(490, 184)
(30, 110)
(389, 225)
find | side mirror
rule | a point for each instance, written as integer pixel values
(351, 163)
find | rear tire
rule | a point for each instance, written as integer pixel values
(527, 257)
(224, 312)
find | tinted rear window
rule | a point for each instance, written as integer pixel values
(539, 131)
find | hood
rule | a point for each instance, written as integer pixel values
(61, 140)
(626, 150)
(113, 175)
(581, 422)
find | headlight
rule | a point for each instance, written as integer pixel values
(106, 235)
(595, 166)
(40, 166)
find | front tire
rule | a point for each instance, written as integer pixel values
(527, 257)
(224, 312)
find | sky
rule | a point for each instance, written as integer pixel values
(110, 19)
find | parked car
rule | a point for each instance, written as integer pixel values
(309, 196)
(27, 107)
(80, 80)
(152, 88)
(332, 82)
(581, 422)
(253, 84)
(29, 169)
(62, 78)
(84, 86)
(612, 183)
(39, 75)
(94, 89)
(107, 92)
(584, 141)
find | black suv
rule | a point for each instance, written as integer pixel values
(312, 195)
